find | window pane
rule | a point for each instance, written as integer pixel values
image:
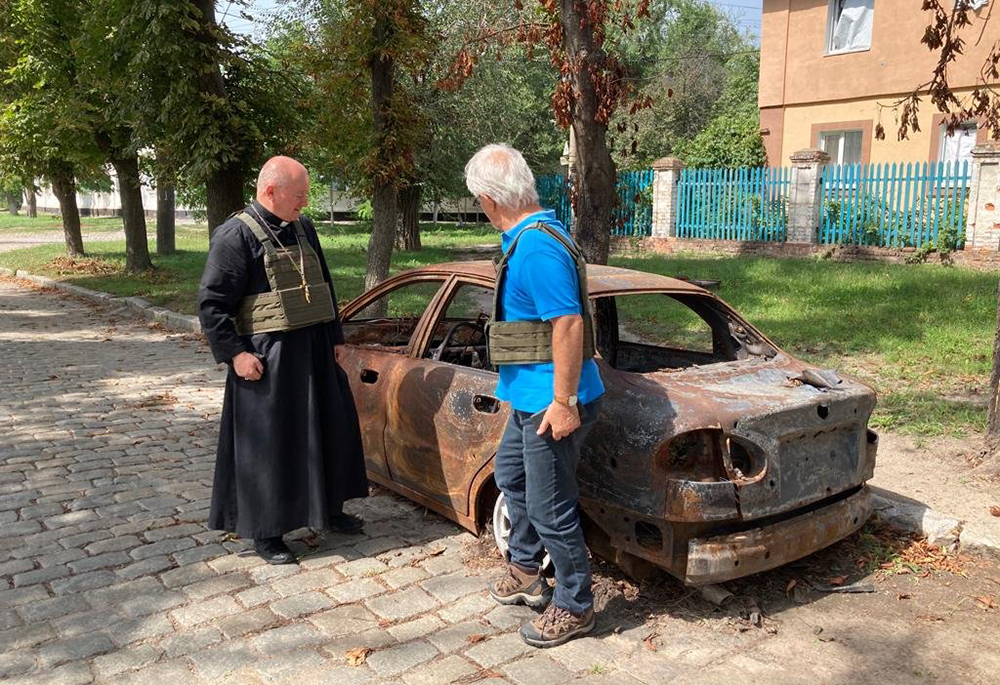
(460, 337)
(851, 25)
(957, 147)
(391, 319)
(852, 147)
(830, 144)
(662, 321)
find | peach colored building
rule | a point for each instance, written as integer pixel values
(827, 64)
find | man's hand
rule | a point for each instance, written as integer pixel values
(248, 367)
(338, 353)
(562, 419)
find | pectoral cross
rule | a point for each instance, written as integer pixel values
(305, 291)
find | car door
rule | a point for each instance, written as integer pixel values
(380, 330)
(443, 420)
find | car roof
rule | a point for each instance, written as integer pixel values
(601, 280)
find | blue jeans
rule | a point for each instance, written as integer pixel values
(537, 476)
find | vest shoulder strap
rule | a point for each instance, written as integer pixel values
(258, 231)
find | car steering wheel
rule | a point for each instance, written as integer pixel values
(439, 350)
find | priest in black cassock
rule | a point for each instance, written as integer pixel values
(289, 452)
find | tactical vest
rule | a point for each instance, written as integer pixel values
(288, 305)
(530, 342)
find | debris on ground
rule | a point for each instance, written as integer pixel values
(83, 266)
(357, 656)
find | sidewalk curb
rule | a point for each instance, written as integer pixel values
(908, 515)
(166, 317)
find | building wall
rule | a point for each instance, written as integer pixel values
(801, 86)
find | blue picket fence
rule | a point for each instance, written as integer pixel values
(633, 213)
(733, 204)
(895, 205)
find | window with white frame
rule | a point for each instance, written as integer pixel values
(956, 147)
(844, 147)
(849, 27)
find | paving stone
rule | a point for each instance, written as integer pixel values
(252, 621)
(71, 674)
(71, 519)
(121, 592)
(146, 567)
(161, 547)
(351, 619)
(73, 625)
(188, 574)
(141, 628)
(61, 558)
(417, 628)
(115, 544)
(9, 619)
(451, 669)
(99, 561)
(52, 608)
(323, 559)
(268, 573)
(456, 638)
(125, 660)
(227, 657)
(355, 590)
(497, 650)
(190, 641)
(202, 553)
(582, 653)
(82, 582)
(287, 638)
(365, 567)
(466, 607)
(282, 666)
(402, 604)
(341, 675)
(24, 637)
(15, 663)
(538, 669)
(168, 532)
(13, 598)
(338, 647)
(164, 673)
(304, 582)
(236, 562)
(505, 618)
(376, 546)
(41, 575)
(392, 661)
(15, 566)
(73, 649)
(208, 610)
(402, 577)
(255, 596)
(451, 587)
(298, 605)
(215, 586)
(441, 565)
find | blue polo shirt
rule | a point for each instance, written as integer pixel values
(540, 284)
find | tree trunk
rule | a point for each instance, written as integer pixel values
(596, 173)
(166, 205)
(13, 203)
(381, 66)
(993, 421)
(133, 214)
(64, 187)
(332, 189)
(30, 192)
(224, 187)
(408, 218)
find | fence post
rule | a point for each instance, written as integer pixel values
(983, 226)
(804, 195)
(667, 172)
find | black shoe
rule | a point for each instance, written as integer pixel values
(347, 523)
(274, 551)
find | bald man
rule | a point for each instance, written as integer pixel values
(289, 452)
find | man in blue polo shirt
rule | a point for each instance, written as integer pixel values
(555, 403)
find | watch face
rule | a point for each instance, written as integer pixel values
(571, 400)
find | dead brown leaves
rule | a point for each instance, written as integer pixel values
(995, 510)
(357, 656)
(987, 601)
(83, 266)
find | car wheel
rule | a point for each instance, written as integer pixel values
(501, 531)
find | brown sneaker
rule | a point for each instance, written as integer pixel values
(556, 626)
(521, 587)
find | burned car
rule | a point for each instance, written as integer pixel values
(717, 454)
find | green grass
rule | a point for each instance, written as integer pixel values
(49, 223)
(920, 334)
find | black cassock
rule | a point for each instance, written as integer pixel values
(290, 446)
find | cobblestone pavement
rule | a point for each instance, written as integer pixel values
(107, 573)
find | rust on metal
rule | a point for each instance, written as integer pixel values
(709, 465)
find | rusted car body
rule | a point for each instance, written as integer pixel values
(711, 463)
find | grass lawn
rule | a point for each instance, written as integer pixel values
(47, 223)
(921, 335)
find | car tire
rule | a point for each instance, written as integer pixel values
(501, 531)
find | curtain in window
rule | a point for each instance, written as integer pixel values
(958, 146)
(853, 27)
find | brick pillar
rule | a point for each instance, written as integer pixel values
(804, 196)
(667, 174)
(982, 231)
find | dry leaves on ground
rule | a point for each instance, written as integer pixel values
(357, 656)
(988, 601)
(83, 265)
(995, 510)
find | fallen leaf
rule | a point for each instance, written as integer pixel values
(475, 638)
(310, 541)
(987, 601)
(903, 595)
(650, 641)
(357, 656)
(836, 580)
(995, 510)
(791, 584)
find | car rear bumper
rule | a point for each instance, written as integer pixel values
(724, 557)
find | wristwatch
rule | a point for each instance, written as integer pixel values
(569, 400)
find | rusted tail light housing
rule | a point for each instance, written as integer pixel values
(695, 456)
(746, 461)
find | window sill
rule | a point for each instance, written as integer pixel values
(830, 53)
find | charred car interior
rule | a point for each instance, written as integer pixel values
(717, 454)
